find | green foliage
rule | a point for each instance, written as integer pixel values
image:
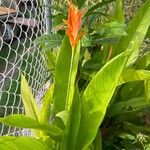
(79, 3)
(129, 75)
(128, 106)
(111, 29)
(49, 41)
(62, 71)
(73, 123)
(136, 31)
(96, 98)
(100, 95)
(28, 100)
(98, 92)
(147, 89)
(47, 102)
(17, 143)
(27, 122)
(119, 16)
(98, 5)
(65, 74)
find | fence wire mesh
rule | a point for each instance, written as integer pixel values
(21, 21)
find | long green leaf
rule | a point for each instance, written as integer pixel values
(89, 125)
(51, 60)
(129, 75)
(20, 143)
(31, 109)
(98, 141)
(143, 61)
(97, 97)
(136, 31)
(23, 121)
(128, 106)
(147, 90)
(61, 75)
(73, 123)
(100, 90)
(119, 16)
(138, 129)
(46, 107)
(72, 76)
(65, 74)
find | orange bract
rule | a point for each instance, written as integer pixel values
(74, 24)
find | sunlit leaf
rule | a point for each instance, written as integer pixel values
(97, 97)
(65, 75)
(46, 106)
(20, 143)
(23, 121)
(129, 75)
(73, 123)
(31, 109)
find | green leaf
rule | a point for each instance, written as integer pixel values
(127, 106)
(98, 141)
(129, 75)
(112, 29)
(19, 143)
(89, 125)
(79, 3)
(87, 41)
(119, 16)
(143, 61)
(58, 20)
(73, 123)
(51, 60)
(62, 75)
(131, 90)
(136, 128)
(100, 90)
(97, 97)
(147, 89)
(98, 5)
(136, 31)
(31, 109)
(63, 115)
(23, 121)
(65, 74)
(49, 41)
(46, 106)
(72, 75)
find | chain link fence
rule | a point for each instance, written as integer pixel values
(21, 21)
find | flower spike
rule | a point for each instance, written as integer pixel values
(74, 23)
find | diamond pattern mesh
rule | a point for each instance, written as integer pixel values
(21, 21)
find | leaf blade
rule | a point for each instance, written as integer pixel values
(31, 109)
(23, 121)
(17, 143)
(96, 99)
(73, 123)
(136, 31)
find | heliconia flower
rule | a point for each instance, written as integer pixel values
(73, 24)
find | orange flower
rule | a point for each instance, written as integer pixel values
(74, 24)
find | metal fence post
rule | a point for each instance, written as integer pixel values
(48, 15)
